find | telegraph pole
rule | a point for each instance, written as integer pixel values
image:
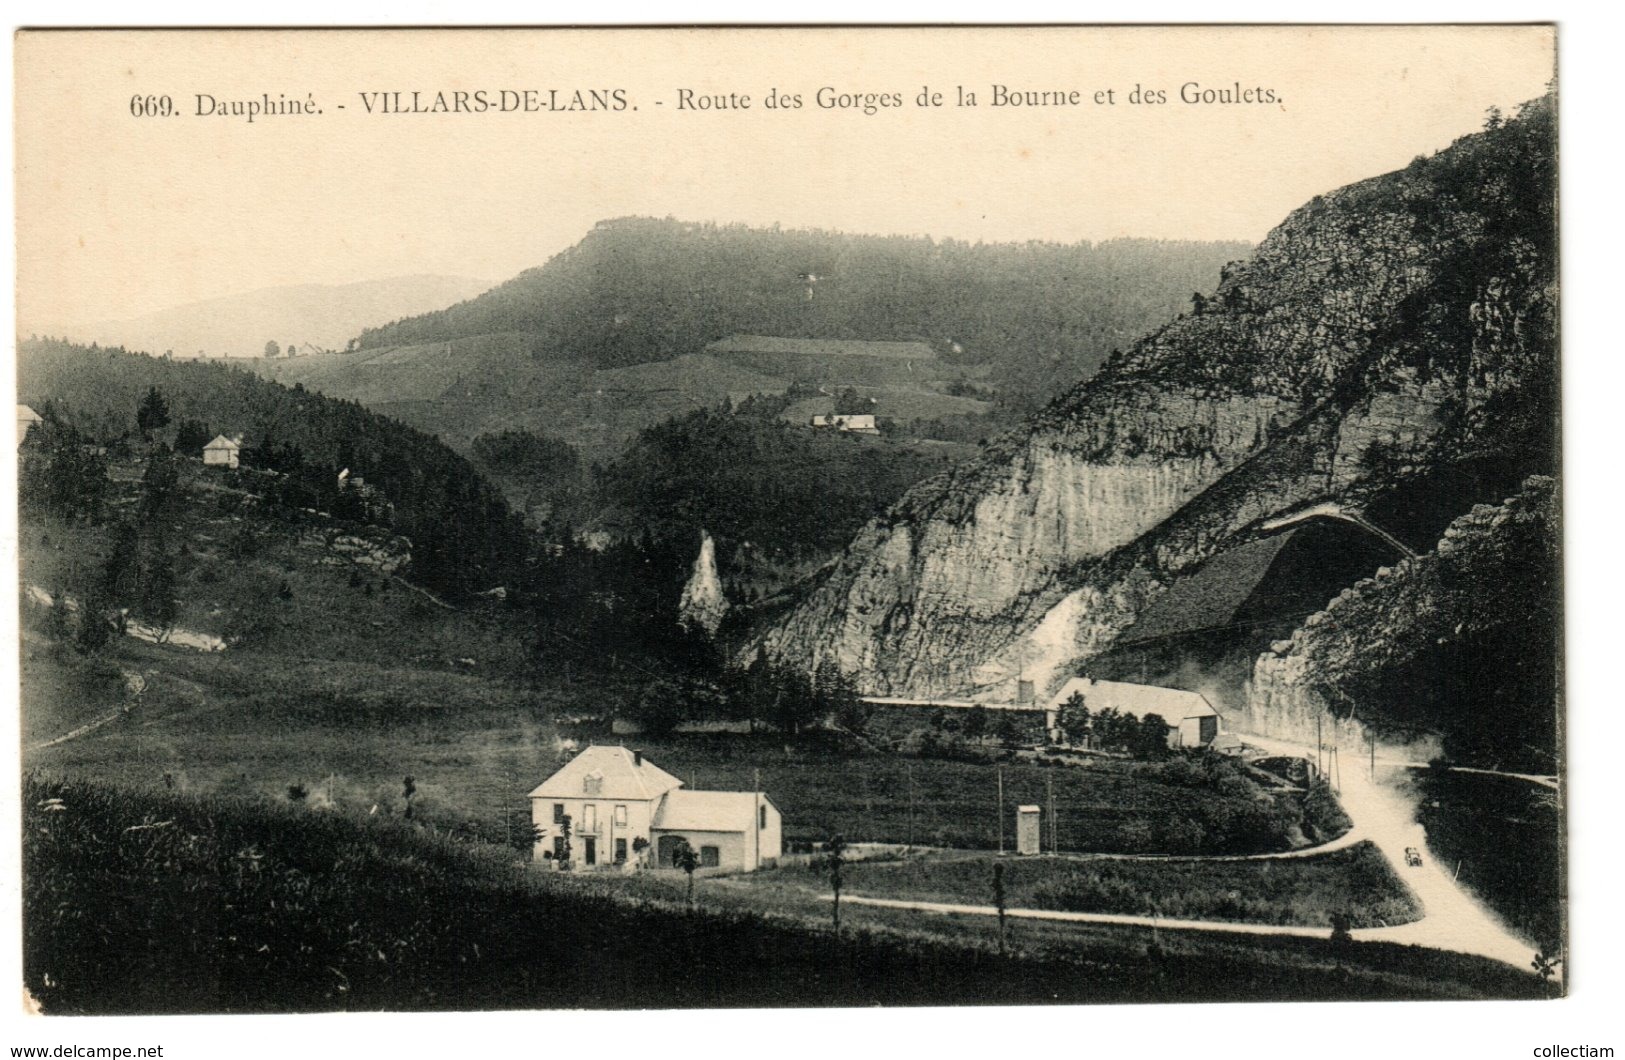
(1000, 771)
(1049, 786)
(910, 771)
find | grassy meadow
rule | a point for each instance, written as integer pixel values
(1307, 892)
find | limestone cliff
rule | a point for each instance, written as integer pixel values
(1382, 332)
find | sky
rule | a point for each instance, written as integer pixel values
(121, 214)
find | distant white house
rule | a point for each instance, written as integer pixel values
(612, 797)
(850, 424)
(26, 418)
(1191, 719)
(222, 452)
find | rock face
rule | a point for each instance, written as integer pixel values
(702, 604)
(1483, 600)
(1391, 328)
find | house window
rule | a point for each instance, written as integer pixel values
(593, 783)
(558, 813)
(709, 858)
(589, 818)
(761, 820)
(620, 815)
(620, 852)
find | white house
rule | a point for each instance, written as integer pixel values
(26, 418)
(612, 797)
(851, 424)
(222, 452)
(1192, 721)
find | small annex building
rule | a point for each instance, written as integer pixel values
(222, 452)
(612, 797)
(26, 419)
(1192, 721)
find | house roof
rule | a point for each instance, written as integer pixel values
(1211, 596)
(221, 442)
(622, 777)
(708, 811)
(26, 413)
(1173, 704)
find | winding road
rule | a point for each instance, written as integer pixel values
(1451, 918)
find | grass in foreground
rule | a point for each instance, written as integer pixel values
(144, 902)
(1302, 891)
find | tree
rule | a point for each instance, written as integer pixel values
(685, 858)
(1074, 719)
(836, 851)
(1545, 964)
(152, 414)
(191, 436)
(159, 482)
(566, 833)
(57, 624)
(976, 722)
(60, 473)
(1151, 737)
(639, 846)
(94, 629)
(998, 899)
(271, 348)
(155, 596)
(1005, 729)
(849, 402)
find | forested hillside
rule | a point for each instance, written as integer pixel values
(464, 537)
(637, 290)
(777, 497)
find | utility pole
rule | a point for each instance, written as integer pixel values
(1000, 771)
(1373, 741)
(909, 768)
(1049, 786)
(1318, 747)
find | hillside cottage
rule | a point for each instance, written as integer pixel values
(222, 452)
(1191, 719)
(847, 424)
(26, 418)
(612, 797)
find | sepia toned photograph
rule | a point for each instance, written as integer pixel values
(536, 519)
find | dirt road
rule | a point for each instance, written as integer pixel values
(1451, 918)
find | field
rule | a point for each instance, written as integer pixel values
(826, 788)
(166, 903)
(488, 383)
(1303, 891)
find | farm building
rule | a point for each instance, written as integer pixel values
(222, 452)
(26, 418)
(612, 797)
(849, 424)
(1192, 721)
